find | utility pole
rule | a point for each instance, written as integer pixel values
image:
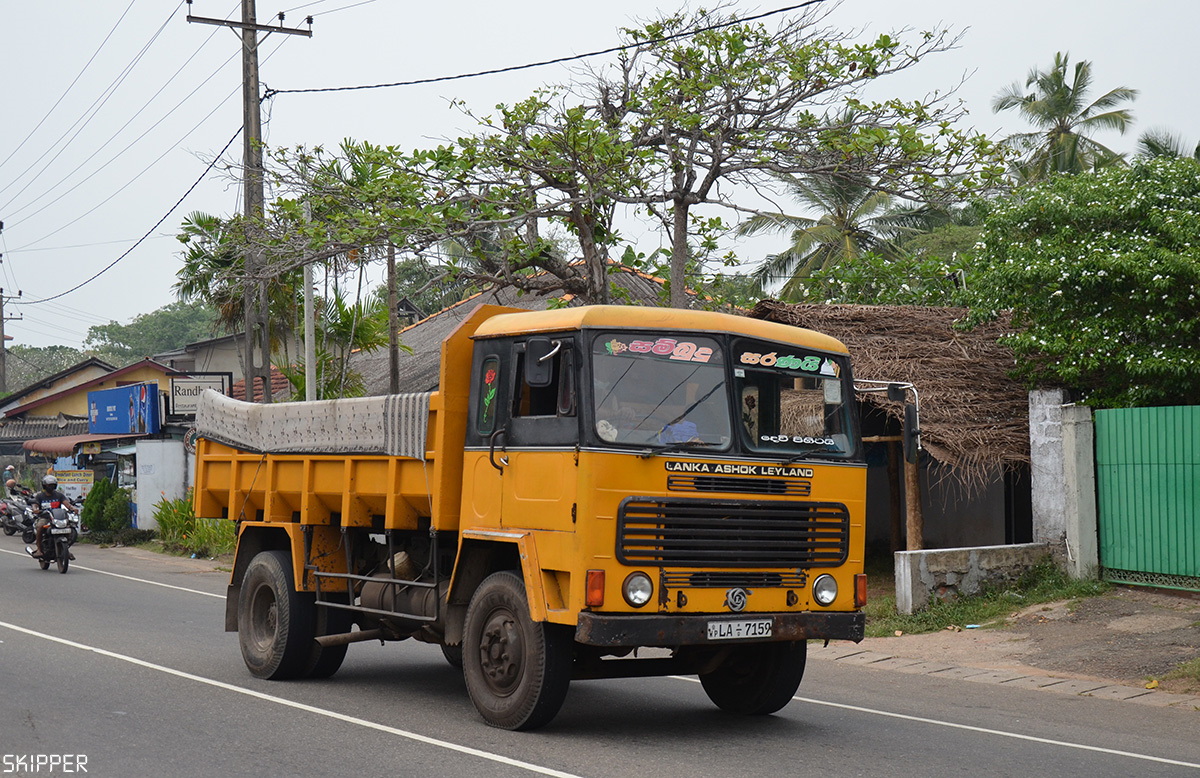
(254, 292)
(3, 341)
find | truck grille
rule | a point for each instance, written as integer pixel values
(732, 533)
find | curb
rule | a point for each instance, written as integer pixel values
(852, 655)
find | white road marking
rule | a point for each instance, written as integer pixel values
(126, 577)
(533, 768)
(983, 730)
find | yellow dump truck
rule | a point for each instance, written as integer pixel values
(584, 483)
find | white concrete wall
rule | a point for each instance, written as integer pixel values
(163, 472)
(947, 573)
(1061, 444)
(1046, 466)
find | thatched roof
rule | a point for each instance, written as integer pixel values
(419, 369)
(972, 414)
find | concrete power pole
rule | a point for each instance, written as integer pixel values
(3, 343)
(254, 294)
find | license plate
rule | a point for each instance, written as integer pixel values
(745, 628)
(61, 531)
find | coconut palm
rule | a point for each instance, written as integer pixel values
(856, 219)
(1161, 143)
(1055, 101)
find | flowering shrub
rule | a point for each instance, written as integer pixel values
(1101, 272)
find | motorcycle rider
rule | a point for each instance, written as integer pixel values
(49, 497)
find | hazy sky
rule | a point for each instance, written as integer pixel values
(113, 108)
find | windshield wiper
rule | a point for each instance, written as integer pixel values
(674, 448)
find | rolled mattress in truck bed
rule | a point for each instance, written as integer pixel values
(392, 424)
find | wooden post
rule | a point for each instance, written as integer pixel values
(895, 487)
(914, 519)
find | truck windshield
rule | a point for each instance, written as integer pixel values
(793, 402)
(656, 391)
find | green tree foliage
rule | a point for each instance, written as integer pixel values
(106, 508)
(873, 279)
(1101, 272)
(29, 364)
(1055, 101)
(1163, 143)
(342, 328)
(701, 102)
(856, 219)
(170, 327)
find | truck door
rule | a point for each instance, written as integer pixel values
(531, 433)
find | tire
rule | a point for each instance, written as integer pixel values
(517, 670)
(29, 536)
(62, 557)
(275, 622)
(324, 662)
(9, 530)
(757, 679)
(44, 563)
(454, 655)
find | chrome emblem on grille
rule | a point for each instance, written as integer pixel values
(735, 599)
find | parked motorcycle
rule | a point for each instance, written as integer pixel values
(15, 516)
(57, 538)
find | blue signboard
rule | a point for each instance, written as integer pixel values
(126, 410)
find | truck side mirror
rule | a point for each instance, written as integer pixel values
(897, 393)
(539, 365)
(911, 433)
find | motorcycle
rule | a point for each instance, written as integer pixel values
(15, 516)
(57, 538)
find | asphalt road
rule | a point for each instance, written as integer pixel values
(123, 663)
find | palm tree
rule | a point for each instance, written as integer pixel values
(1161, 143)
(1055, 101)
(856, 219)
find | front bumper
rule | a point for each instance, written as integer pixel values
(635, 629)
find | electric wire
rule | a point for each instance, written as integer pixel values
(127, 252)
(90, 113)
(114, 136)
(70, 86)
(555, 61)
(145, 169)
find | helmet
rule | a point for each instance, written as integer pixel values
(10, 467)
(50, 482)
(10, 483)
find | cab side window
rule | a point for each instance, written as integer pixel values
(546, 414)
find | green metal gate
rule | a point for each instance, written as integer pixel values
(1148, 495)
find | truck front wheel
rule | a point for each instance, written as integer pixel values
(517, 670)
(757, 679)
(275, 622)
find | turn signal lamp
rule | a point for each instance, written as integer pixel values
(595, 589)
(860, 590)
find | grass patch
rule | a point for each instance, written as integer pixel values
(1044, 582)
(182, 533)
(1188, 673)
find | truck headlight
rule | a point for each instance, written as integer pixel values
(637, 589)
(825, 589)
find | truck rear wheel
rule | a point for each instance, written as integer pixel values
(323, 662)
(757, 679)
(517, 670)
(275, 622)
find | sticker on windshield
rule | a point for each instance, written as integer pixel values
(685, 351)
(808, 364)
(802, 439)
